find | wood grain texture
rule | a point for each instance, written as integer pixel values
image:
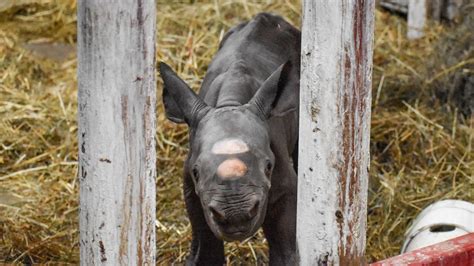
(336, 77)
(116, 80)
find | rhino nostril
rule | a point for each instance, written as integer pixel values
(254, 210)
(217, 214)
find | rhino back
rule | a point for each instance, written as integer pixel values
(248, 54)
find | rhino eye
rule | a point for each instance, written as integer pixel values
(268, 168)
(195, 174)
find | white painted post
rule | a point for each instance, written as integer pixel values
(336, 77)
(116, 80)
(416, 18)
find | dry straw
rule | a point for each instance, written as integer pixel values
(421, 146)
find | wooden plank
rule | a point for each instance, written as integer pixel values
(116, 80)
(336, 78)
(452, 9)
(395, 5)
(454, 252)
(416, 18)
(435, 9)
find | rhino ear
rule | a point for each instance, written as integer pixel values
(271, 99)
(180, 101)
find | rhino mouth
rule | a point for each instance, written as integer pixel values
(236, 231)
(231, 233)
(237, 235)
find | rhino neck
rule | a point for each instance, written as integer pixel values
(234, 87)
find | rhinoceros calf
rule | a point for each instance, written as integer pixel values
(240, 173)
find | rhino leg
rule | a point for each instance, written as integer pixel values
(280, 230)
(206, 249)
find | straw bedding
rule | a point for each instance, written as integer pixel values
(421, 138)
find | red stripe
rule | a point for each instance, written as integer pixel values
(455, 252)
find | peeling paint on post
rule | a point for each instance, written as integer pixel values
(116, 100)
(336, 78)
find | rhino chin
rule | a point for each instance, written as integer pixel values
(239, 235)
(234, 236)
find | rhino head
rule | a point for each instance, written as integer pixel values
(230, 159)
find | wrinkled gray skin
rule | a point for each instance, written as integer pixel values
(250, 92)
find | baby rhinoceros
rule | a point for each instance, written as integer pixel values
(240, 173)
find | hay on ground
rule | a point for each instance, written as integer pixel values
(422, 148)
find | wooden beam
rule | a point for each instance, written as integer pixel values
(335, 100)
(417, 11)
(116, 80)
(452, 9)
(454, 252)
(395, 5)
(436, 7)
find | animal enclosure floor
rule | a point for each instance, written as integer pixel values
(421, 143)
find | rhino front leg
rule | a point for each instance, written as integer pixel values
(206, 249)
(280, 230)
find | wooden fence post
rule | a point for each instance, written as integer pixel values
(336, 77)
(417, 12)
(452, 9)
(116, 101)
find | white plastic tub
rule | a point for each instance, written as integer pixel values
(438, 222)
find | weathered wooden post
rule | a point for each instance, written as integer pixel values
(116, 79)
(452, 9)
(418, 12)
(335, 102)
(417, 16)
